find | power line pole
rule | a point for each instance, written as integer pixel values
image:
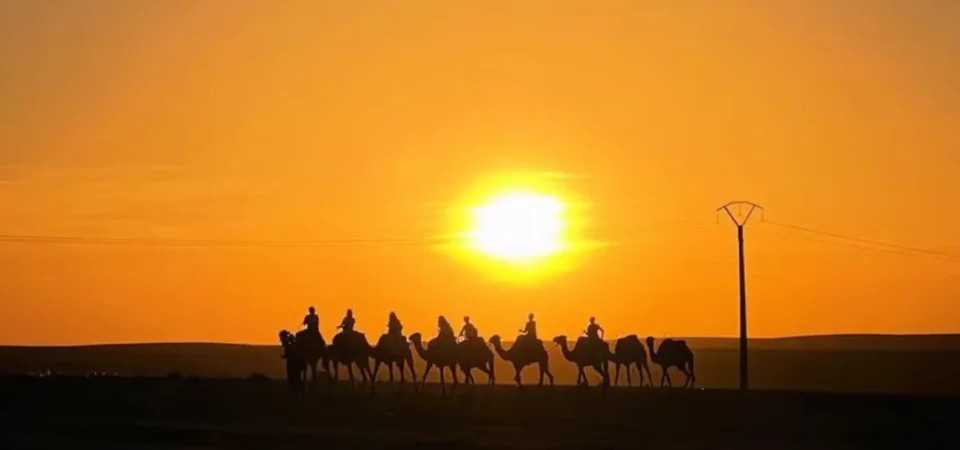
(740, 220)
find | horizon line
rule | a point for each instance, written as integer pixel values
(732, 338)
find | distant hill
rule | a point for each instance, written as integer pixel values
(914, 364)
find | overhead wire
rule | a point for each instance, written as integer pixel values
(860, 243)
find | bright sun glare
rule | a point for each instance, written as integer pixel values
(519, 226)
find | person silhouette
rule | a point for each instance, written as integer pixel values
(394, 327)
(312, 320)
(348, 322)
(594, 330)
(468, 331)
(444, 330)
(529, 331)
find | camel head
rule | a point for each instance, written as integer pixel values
(284, 337)
(560, 340)
(416, 338)
(650, 341)
(495, 339)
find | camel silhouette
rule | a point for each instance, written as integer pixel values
(394, 350)
(309, 349)
(441, 354)
(587, 353)
(474, 354)
(296, 365)
(629, 351)
(673, 353)
(351, 348)
(522, 355)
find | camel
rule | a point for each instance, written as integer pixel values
(296, 365)
(474, 354)
(440, 354)
(393, 350)
(522, 355)
(673, 353)
(627, 352)
(351, 348)
(308, 349)
(586, 353)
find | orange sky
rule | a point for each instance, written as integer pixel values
(309, 119)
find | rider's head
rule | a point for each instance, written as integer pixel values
(441, 320)
(393, 315)
(466, 319)
(349, 313)
(593, 320)
(530, 316)
(313, 310)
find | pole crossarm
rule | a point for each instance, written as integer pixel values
(740, 204)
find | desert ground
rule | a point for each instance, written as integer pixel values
(159, 413)
(849, 392)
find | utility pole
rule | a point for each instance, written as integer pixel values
(740, 220)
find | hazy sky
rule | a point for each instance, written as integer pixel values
(298, 120)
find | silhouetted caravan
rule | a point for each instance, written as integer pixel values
(473, 353)
(351, 348)
(441, 353)
(522, 354)
(295, 365)
(629, 351)
(587, 353)
(393, 349)
(673, 353)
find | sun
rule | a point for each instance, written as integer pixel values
(518, 226)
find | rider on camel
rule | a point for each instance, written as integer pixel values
(594, 332)
(312, 322)
(529, 332)
(444, 330)
(469, 332)
(394, 327)
(348, 322)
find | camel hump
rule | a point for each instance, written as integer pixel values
(674, 343)
(628, 343)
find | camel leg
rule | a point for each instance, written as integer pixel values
(400, 367)
(370, 377)
(616, 378)
(603, 374)
(453, 373)
(516, 376)
(491, 375)
(629, 375)
(663, 376)
(425, 373)
(545, 369)
(666, 373)
(649, 375)
(350, 372)
(443, 382)
(413, 372)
